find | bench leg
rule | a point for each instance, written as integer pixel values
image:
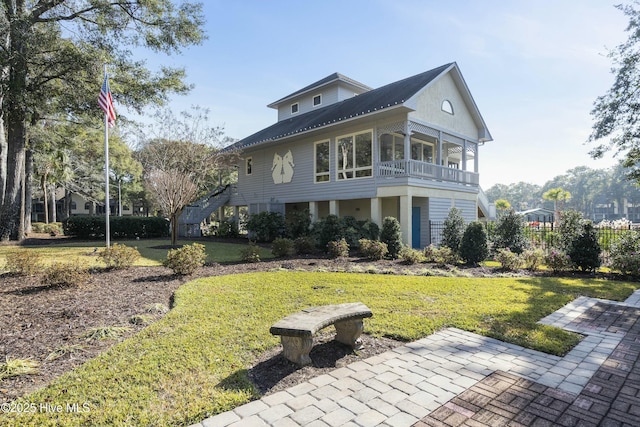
(348, 332)
(297, 349)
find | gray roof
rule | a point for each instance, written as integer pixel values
(371, 102)
(322, 82)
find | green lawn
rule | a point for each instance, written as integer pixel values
(192, 363)
(85, 253)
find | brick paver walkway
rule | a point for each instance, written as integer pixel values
(456, 378)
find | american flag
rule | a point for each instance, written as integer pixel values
(106, 102)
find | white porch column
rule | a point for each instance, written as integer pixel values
(439, 150)
(334, 208)
(464, 155)
(405, 219)
(407, 142)
(376, 210)
(313, 210)
(476, 163)
(220, 213)
(236, 214)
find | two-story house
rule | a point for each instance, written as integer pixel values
(409, 150)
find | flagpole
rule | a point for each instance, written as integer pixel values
(106, 172)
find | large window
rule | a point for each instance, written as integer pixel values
(391, 147)
(354, 155)
(422, 150)
(322, 161)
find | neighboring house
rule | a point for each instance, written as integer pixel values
(78, 204)
(541, 215)
(409, 150)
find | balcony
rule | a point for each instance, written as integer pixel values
(424, 170)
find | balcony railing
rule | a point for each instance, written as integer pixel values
(424, 170)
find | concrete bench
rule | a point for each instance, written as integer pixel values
(296, 331)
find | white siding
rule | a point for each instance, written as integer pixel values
(428, 108)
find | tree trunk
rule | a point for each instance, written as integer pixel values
(3, 154)
(53, 206)
(174, 228)
(15, 115)
(45, 197)
(28, 190)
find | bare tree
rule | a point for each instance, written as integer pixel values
(175, 172)
(172, 191)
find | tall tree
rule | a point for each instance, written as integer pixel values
(47, 69)
(617, 112)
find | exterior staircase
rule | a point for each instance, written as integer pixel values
(485, 209)
(193, 215)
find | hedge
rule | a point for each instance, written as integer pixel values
(93, 227)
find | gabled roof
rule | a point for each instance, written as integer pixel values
(321, 83)
(371, 102)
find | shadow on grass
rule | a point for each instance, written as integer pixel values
(546, 295)
(275, 370)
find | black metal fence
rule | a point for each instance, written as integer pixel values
(544, 235)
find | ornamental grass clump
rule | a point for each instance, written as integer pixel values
(14, 367)
(373, 249)
(338, 249)
(65, 275)
(186, 260)
(119, 256)
(24, 262)
(410, 255)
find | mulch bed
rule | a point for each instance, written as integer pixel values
(37, 320)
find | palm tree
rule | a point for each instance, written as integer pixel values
(556, 195)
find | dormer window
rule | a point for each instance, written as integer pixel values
(447, 107)
(294, 108)
(317, 100)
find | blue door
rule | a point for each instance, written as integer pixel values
(415, 227)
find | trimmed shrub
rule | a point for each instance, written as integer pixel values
(304, 245)
(509, 260)
(65, 275)
(282, 247)
(186, 260)
(93, 227)
(24, 262)
(298, 223)
(557, 261)
(584, 250)
(338, 249)
(510, 233)
(250, 253)
(373, 249)
(453, 230)
(625, 253)
(328, 229)
(473, 246)
(532, 258)
(569, 228)
(119, 256)
(227, 228)
(392, 236)
(266, 226)
(410, 255)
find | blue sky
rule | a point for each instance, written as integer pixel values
(534, 68)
